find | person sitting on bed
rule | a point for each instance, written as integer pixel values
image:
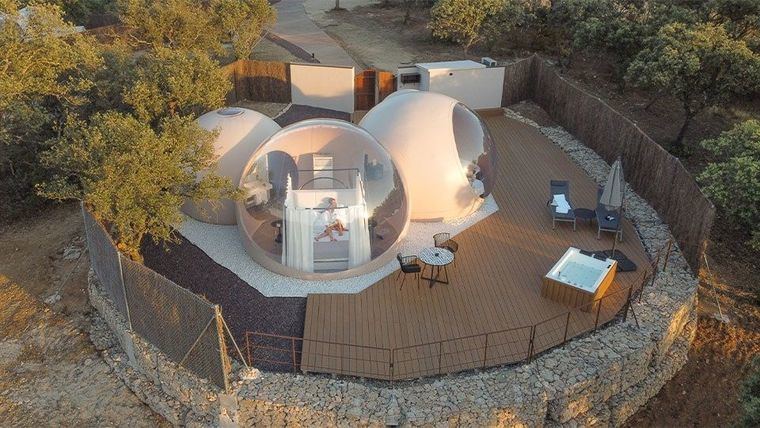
(332, 221)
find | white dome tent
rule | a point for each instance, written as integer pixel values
(241, 132)
(442, 148)
(333, 204)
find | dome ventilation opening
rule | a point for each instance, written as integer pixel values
(229, 111)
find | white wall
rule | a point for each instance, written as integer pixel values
(479, 88)
(323, 86)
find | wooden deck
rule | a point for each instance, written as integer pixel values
(391, 333)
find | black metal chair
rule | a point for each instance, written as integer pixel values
(443, 240)
(608, 220)
(560, 187)
(408, 264)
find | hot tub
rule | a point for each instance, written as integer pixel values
(578, 280)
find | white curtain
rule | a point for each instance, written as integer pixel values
(297, 245)
(359, 251)
(298, 242)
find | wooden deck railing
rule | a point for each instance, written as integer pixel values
(479, 351)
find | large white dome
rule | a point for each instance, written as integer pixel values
(240, 132)
(442, 148)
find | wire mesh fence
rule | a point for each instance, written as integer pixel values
(104, 259)
(188, 329)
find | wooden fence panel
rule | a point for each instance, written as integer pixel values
(386, 84)
(518, 82)
(364, 90)
(259, 81)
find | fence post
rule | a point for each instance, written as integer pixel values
(293, 353)
(248, 349)
(532, 339)
(390, 365)
(485, 352)
(567, 323)
(440, 354)
(627, 303)
(598, 310)
(226, 365)
(667, 255)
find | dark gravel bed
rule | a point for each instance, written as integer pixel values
(243, 307)
(298, 112)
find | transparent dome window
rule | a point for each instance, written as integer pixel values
(321, 197)
(476, 149)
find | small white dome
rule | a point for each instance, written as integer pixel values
(240, 132)
(441, 147)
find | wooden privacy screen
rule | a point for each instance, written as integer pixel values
(386, 85)
(259, 81)
(371, 87)
(656, 175)
(364, 90)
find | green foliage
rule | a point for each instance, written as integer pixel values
(45, 73)
(617, 27)
(511, 15)
(460, 21)
(699, 65)
(750, 396)
(740, 17)
(176, 82)
(733, 180)
(176, 24)
(134, 178)
(243, 21)
(198, 25)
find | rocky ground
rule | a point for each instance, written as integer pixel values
(50, 373)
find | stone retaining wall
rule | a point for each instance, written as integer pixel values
(599, 379)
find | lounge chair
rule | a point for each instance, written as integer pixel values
(608, 220)
(560, 188)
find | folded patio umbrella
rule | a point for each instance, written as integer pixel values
(613, 193)
(612, 196)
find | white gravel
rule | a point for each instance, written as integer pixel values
(223, 245)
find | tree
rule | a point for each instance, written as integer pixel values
(511, 15)
(615, 27)
(175, 24)
(45, 72)
(733, 180)
(199, 25)
(174, 82)
(460, 21)
(132, 177)
(750, 396)
(244, 22)
(701, 66)
(740, 17)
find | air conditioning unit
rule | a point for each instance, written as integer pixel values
(488, 61)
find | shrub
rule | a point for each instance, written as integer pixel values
(132, 177)
(461, 21)
(750, 396)
(733, 180)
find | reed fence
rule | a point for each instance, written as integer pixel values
(259, 81)
(655, 174)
